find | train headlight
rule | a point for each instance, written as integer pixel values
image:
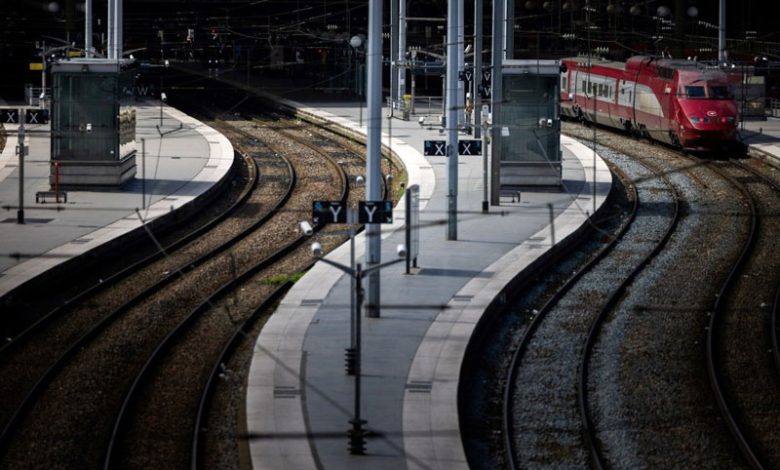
(695, 119)
(730, 119)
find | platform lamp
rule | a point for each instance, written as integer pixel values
(163, 97)
(356, 434)
(357, 42)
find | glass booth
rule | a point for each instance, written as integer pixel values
(93, 122)
(528, 136)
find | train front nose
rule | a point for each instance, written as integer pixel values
(707, 123)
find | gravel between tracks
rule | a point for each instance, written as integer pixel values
(650, 397)
(89, 394)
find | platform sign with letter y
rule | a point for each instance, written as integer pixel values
(328, 212)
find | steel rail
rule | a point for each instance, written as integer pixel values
(111, 280)
(611, 303)
(510, 389)
(49, 374)
(714, 371)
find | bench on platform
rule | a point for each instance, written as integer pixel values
(41, 196)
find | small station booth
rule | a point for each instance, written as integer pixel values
(527, 144)
(92, 123)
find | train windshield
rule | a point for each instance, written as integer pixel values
(700, 92)
(694, 92)
(720, 93)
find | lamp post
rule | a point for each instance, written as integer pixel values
(357, 42)
(163, 97)
(356, 433)
(484, 116)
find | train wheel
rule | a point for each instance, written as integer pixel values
(675, 140)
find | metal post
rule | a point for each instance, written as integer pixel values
(118, 18)
(20, 211)
(110, 48)
(88, 28)
(475, 96)
(357, 442)
(374, 150)
(402, 51)
(722, 32)
(485, 200)
(352, 304)
(352, 219)
(461, 95)
(414, 84)
(452, 117)
(143, 173)
(509, 27)
(495, 99)
(394, 42)
(161, 99)
(552, 222)
(42, 102)
(357, 434)
(57, 181)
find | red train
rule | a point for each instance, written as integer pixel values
(679, 102)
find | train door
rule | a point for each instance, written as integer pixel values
(666, 92)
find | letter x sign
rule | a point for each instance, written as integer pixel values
(435, 148)
(469, 147)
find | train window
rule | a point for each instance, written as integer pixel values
(719, 93)
(666, 73)
(694, 92)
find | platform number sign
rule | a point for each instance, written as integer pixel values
(469, 147)
(328, 212)
(31, 116)
(484, 87)
(9, 116)
(375, 212)
(36, 116)
(435, 148)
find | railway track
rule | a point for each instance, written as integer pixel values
(573, 318)
(741, 339)
(645, 395)
(150, 365)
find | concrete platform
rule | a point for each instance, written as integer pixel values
(299, 399)
(178, 166)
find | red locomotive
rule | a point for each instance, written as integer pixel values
(679, 102)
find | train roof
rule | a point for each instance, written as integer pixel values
(599, 61)
(632, 62)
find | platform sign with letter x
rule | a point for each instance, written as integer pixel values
(469, 147)
(328, 212)
(435, 148)
(36, 116)
(31, 116)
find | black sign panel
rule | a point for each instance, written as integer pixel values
(469, 147)
(36, 116)
(375, 212)
(435, 148)
(487, 74)
(9, 116)
(484, 90)
(328, 212)
(31, 116)
(466, 75)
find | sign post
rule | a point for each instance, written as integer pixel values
(369, 212)
(22, 151)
